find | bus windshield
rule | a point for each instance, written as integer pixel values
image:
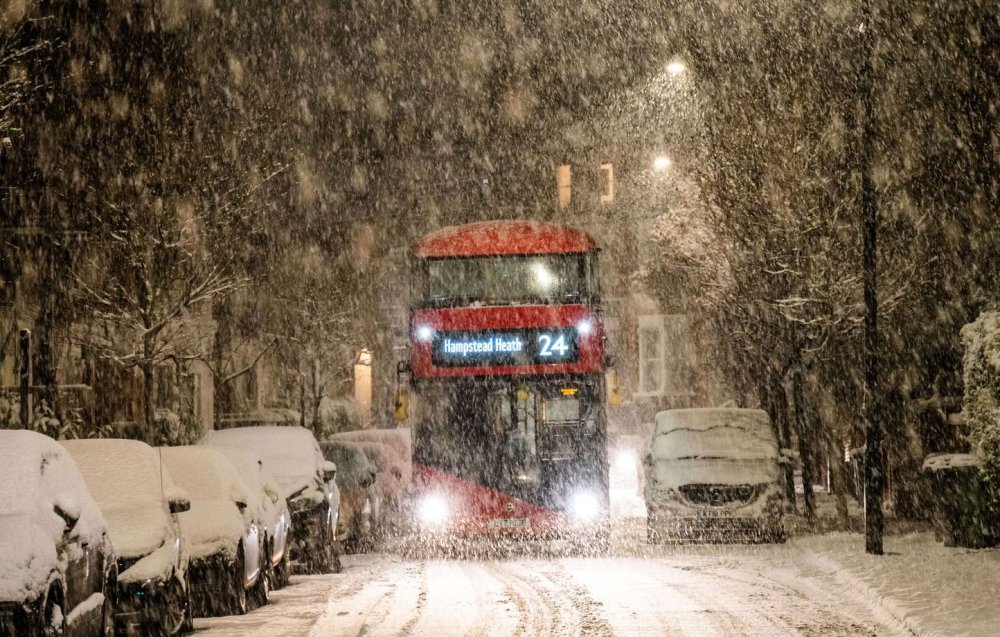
(504, 280)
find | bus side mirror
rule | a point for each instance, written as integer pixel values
(402, 404)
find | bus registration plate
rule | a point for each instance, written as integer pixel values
(510, 523)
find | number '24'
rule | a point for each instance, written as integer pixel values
(549, 347)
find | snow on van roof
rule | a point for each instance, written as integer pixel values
(36, 475)
(290, 453)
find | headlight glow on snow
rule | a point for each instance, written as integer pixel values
(433, 510)
(424, 333)
(626, 459)
(585, 506)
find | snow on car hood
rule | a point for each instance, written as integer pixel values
(212, 526)
(27, 556)
(137, 531)
(155, 565)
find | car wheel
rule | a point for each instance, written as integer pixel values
(52, 620)
(188, 625)
(174, 614)
(238, 601)
(262, 587)
(108, 608)
(282, 572)
(320, 554)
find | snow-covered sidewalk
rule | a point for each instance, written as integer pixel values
(934, 590)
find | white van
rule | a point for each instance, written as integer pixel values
(712, 475)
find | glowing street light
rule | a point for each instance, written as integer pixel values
(676, 67)
(661, 162)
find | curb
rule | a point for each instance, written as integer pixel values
(868, 596)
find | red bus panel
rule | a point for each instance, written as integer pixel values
(493, 238)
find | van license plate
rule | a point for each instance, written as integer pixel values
(510, 523)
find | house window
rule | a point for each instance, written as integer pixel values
(608, 193)
(652, 356)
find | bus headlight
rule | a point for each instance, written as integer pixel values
(433, 510)
(585, 506)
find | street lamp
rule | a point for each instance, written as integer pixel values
(676, 67)
(661, 162)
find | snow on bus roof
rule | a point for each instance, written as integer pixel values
(491, 238)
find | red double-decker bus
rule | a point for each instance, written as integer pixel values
(506, 374)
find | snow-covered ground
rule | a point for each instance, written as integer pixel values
(760, 591)
(819, 585)
(814, 586)
(935, 590)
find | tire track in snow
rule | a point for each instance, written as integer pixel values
(421, 604)
(536, 614)
(638, 600)
(589, 611)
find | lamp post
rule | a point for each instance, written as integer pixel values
(874, 520)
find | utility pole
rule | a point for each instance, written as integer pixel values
(874, 520)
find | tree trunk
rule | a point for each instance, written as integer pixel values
(776, 402)
(222, 315)
(802, 433)
(785, 439)
(148, 402)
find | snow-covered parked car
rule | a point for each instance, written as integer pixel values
(140, 501)
(223, 532)
(391, 451)
(57, 567)
(360, 502)
(712, 475)
(293, 457)
(271, 506)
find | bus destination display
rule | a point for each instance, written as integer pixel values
(508, 347)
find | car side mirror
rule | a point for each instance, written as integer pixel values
(68, 518)
(241, 505)
(329, 471)
(180, 505)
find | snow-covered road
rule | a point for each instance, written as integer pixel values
(760, 591)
